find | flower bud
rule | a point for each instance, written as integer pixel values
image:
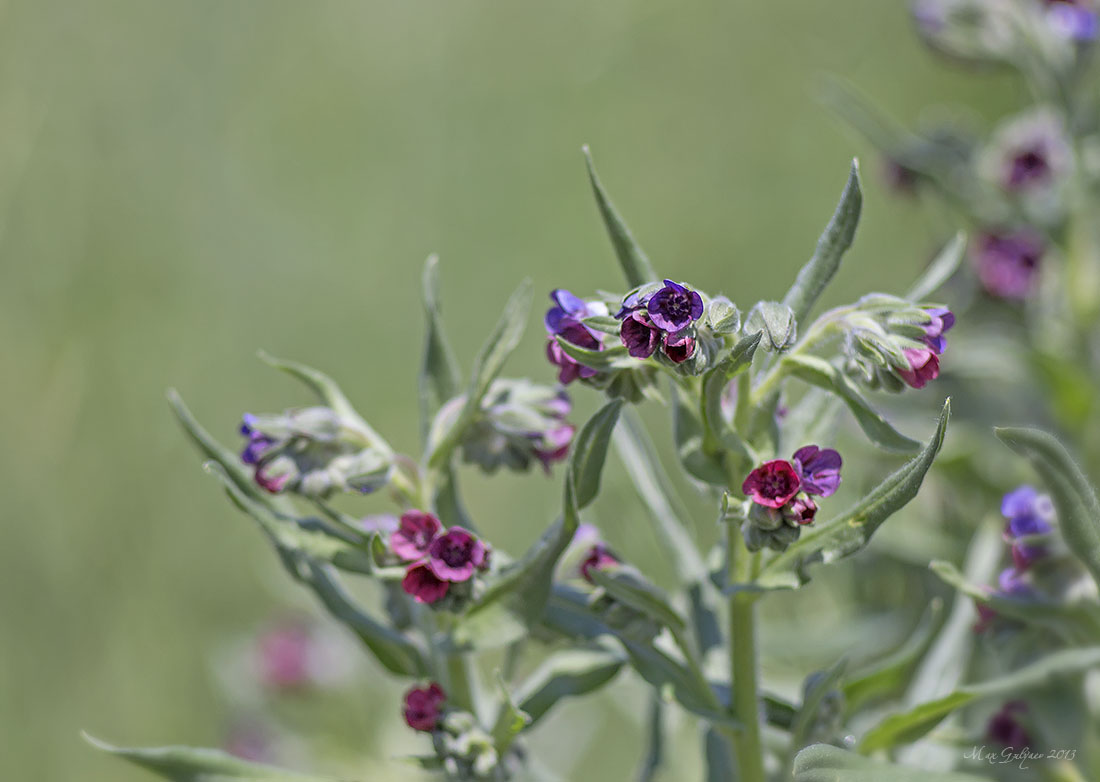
(776, 321)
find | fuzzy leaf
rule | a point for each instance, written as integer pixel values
(825, 763)
(1076, 501)
(564, 674)
(635, 264)
(945, 264)
(606, 360)
(851, 531)
(629, 588)
(911, 725)
(590, 451)
(776, 322)
(831, 246)
(819, 372)
(695, 445)
(439, 378)
(714, 384)
(192, 764)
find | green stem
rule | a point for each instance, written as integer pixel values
(817, 333)
(743, 666)
(459, 689)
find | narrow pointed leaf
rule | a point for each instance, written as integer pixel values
(714, 384)
(696, 446)
(566, 674)
(606, 360)
(826, 763)
(439, 379)
(590, 451)
(819, 372)
(635, 264)
(193, 764)
(655, 745)
(831, 246)
(852, 530)
(911, 725)
(629, 588)
(945, 264)
(1076, 501)
(510, 721)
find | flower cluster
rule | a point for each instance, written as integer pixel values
(312, 451)
(891, 343)
(521, 422)
(436, 559)
(662, 320)
(782, 495)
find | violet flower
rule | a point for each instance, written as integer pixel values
(640, 335)
(569, 369)
(1008, 263)
(673, 308)
(1074, 19)
(456, 554)
(423, 585)
(818, 469)
(424, 706)
(1028, 514)
(416, 532)
(570, 310)
(598, 558)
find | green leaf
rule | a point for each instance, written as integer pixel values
(715, 382)
(831, 246)
(889, 675)
(306, 536)
(819, 372)
(851, 531)
(448, 504)
(807, 715)
(635, 265)
(655, 749)
(439, 378)
(192, 764)
(825, 763)
(510, 721)
(629, 588)
(590, 451)
(695, 446)
(1076, 502)
(329, 393)
(565, 674)
(719, 758)
(608, 324)
(945, 264)
(607, 360)
(487, 366)
(911, 725)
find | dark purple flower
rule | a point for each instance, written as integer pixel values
(456, 554)
(773, 484)
(1024, 557)
(258, 442)
(680, 347)
(555, 445)
(416, 532)
(924, 366)
(282, 656)
(1027, 167)
(570, 310)
(639, 335)
(568, 367)
(673, 308)
(1005, 727)
(818, 469)
(598, 558)
(423, 707)
(801, 510)
(422, 584)
(1008, 263)
(942, 321)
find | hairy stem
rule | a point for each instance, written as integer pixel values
(743, 666)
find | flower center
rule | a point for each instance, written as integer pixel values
(454, 554)
(678, 306)
(778, 484)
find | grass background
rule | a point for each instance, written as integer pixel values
(182, 183)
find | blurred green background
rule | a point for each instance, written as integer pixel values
(182, 183)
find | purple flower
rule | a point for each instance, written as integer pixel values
(1073, 18)
(1029, 514)
(942, 321)
(598, 558)
(773, 484)
(456, 554)
(640, 335)
(986, 617)
(423, 707)
(283, 655)
(924, 366)
(568, 367)
(673, 308)
(818, 469)
(554, 445)
(1005, 728)
(422, 584)
(570, 310)
(801, 510)
(258, 442)
(416, 532)
(1027, 167)
(1013, 582)
(680, 347)
(1008, 263)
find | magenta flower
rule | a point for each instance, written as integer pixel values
(554, 445)
(568, 367)
(818, 469)
(673, 308)
(639, 334)
(423, 585)
(282, 656)
(773, 484)
(680, 347)
(1008, 263)
(416, 531)
(924, 366)
(1005, 728)
(598, 558)
(423, 707)
(456, 554)
(802, 509)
